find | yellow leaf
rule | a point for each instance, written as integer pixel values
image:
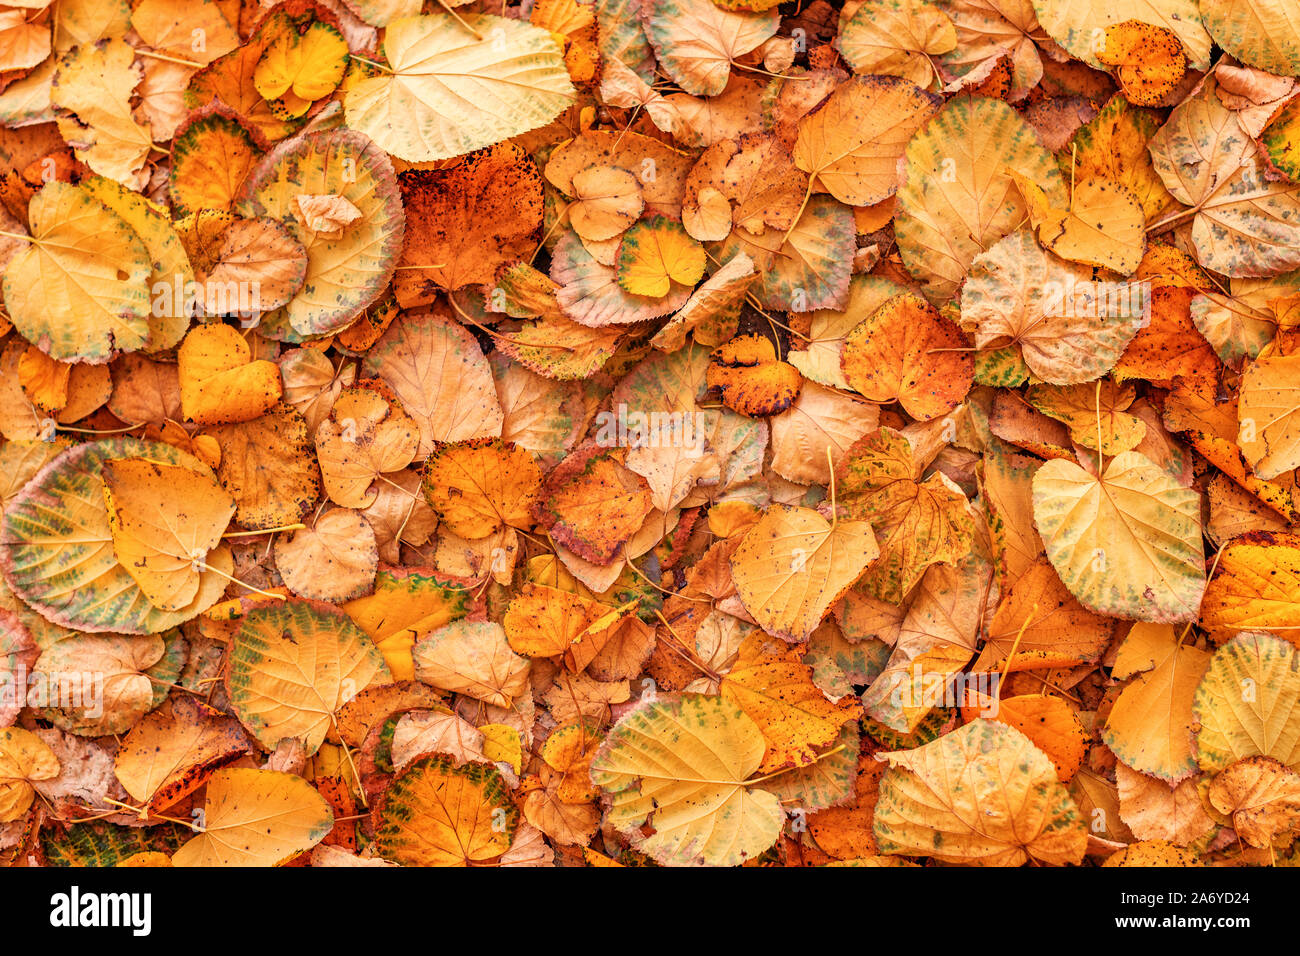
(267, 466)
(172, 750)
(774, 686)
(1255, 587)
(501, 744)
(898, 38)
(293, 664)
(683, 765)
(165, 520)
(607, 199)
(794, 564)
(1078, 25)
(407, 603)
(918, 523)
(93, 83)
(365, 437)
(256, 818)
(907, 351)
(24, 757)
(80, 289)
(1262, 798)
(437, 814)
(957, 197)
(1126, 544)
(1150, 725)
(440, 70)
(472, 658)
(308, 65)
(1021, 296)
(1247, 703)
(1268, 409)
(656, 253)
(482, 485)
(1096, 413)
(219, 381)
(1149, 60)
(753, 381)
(1103, 226)
(333, 559)
(696, 41)
(1244, 223)
(852, 145)
(981, 795)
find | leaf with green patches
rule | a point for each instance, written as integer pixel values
(56, 546)
(348, 271)
(957, 197)
(683, 765)
(1248, 703)
(1128, 543)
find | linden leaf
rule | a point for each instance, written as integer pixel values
(293, 664)
(774, 686)
(752, 381)
(794, 564)
(906, 351)
(335, 559)
(453, 89)
(917, 523)
(172, 751)
(655, 254)
(346, 269)
(1262, 33)
(452, 240)
(1019, 295)
(438, 814)
(1150, 725)
(957, 197)
(1268, 412)
(852, 145)
(365, 437)
(1247, 701)
(982, 795)
(87, 267)
(696, 41)
(256, 818)
(1149, 60)
(682, 765)
(438, 372)
(1261, 796)
(298, 69)
(1244, 223)
(899, 39)
(24, 758)
(165, 520)
(607, 200)
(479, 486)
(60, 521)
(219, 381)
(1080, 25)
(1103, 226)
(473, 658)
(1254, 587)
(1127, 543)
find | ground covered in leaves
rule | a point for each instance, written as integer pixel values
(635, 432)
